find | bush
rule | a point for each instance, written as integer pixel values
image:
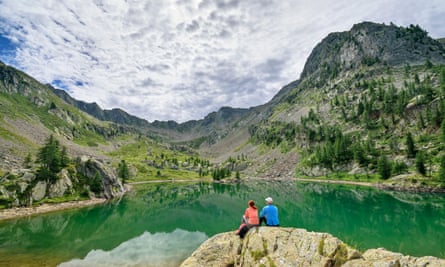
(399, 167)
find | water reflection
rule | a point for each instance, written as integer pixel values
(158, 249)
(410, 223)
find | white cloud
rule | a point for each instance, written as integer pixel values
(158, 249)
(181, 59)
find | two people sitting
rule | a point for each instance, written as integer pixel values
(268, 215)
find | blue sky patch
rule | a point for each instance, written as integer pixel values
(59, 84)
(7, 50)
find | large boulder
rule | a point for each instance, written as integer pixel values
(276, 246)
(62, 185)
(39, 191)
(112, 186)
(272, 246)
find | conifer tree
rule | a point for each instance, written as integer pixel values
(64, 159)
(96, 183)
(50, 159)
(420, 163)
(360, 108)
(420, 122)
(359, 154)
(442, 131)
(123, 171)
(442, 80)
(384, 167)
(410, 147)
(442, 169)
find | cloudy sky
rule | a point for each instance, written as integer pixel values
(182, 59)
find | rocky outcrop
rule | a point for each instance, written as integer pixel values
(381, 257)
(369, 43)
(112, 187)
(91, 177)
(270, 246)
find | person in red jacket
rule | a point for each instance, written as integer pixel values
(250, 219)
(251, 214)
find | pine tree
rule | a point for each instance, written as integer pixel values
(384, 167)
(442, 80)
(50, 159)
(64, 159)
(420, 163)
(442, 131)
(410, 147)
(359, 155)
(123, 171)
(420, 122)
(360, 108)
(96, 183)
(442, 169)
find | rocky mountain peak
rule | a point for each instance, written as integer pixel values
(369, 43)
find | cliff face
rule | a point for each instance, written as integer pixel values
(267, 246)
(369, 43)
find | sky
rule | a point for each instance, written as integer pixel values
(183, 59)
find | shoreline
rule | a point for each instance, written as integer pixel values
(381, 186)
(336, 182)
(19, 212)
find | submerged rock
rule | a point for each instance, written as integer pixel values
(276, 246)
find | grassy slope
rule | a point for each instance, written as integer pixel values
(320, 100)
(149, 160)
(303, 97)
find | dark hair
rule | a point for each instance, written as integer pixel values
(251, 203)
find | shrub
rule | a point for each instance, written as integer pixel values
(399, 167)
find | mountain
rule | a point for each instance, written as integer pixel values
(30, 111)
(362, 92)
(115, 115)
(34, 164)
(370, 43)
(53, 146)
(210, 129)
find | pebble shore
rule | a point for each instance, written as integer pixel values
(45, 208)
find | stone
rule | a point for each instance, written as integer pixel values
(61, 185)
(278, 246)
(112, 186)
(39, 191)
(272, 246)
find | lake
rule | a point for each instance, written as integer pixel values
(162, 224)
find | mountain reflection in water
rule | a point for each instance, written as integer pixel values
(363, 217)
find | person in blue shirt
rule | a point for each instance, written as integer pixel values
(269, 214)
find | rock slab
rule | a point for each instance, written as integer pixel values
(278, 246)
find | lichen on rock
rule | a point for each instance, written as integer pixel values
(279, 246)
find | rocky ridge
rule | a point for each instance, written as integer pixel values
(269, 246)
(369, 43)
(21, 187)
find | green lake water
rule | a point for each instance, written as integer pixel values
(161, 224)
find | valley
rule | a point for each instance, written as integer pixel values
(369, 107)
